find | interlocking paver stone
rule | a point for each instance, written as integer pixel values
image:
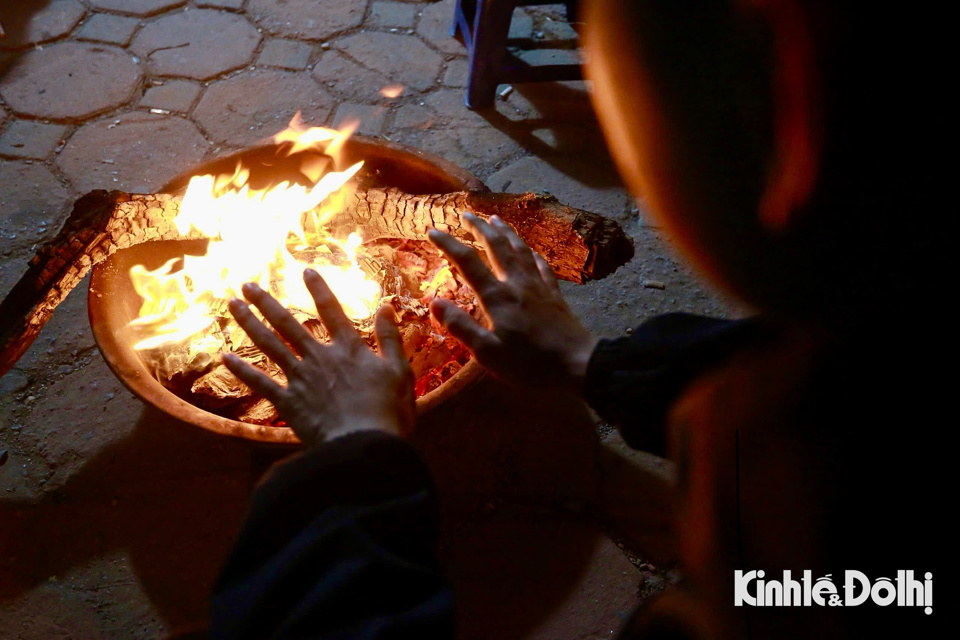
(35, 209)
(137, 7)
(369, 118)
(137, 152)
(456, 73)
(393, 14)
(255, 105)
(534, 174)
(449, 103)
(487, 144)
(435, 27)
(70, 80)
(286, 54)
(349, 79)
(103, 27)
(26, 26)
(521, 25)
(537, 57)
(412, 116)
(7, 58)
(198, 44)
(558, 30)
(442, 142)
(173, 95)
(30, 139)
(545, 100)
(308, 18)
(402, 59)
(221, 4)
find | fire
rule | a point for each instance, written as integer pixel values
(268, 236)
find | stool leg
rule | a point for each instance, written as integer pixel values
(463, 15)
(491, 24)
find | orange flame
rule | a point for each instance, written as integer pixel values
(254, 235)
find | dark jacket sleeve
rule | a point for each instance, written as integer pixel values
(339, 542)
(633, 381)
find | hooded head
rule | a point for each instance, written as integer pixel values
(784, 144)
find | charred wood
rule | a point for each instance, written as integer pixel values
(100, 224)
(579, 245)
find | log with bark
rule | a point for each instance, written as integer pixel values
(579, 245)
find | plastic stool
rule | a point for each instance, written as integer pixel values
(484, 25)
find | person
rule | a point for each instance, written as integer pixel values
(784, 145)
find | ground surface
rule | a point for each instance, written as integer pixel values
(113, 517)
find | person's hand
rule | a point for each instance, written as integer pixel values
(331, 389)
(536, 341)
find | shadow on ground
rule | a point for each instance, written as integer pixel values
(169, 496)
(15, 19)
(522, 481)
(556, 123)
(528, 494)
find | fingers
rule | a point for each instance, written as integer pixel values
(464, 328)
(281, 319)
(336, 321)
(522, 253)
(264, 338)
(253, 378)
(546, 274)
(478, 276)
(498, 247)
(388, 338)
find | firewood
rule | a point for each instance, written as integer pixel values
(220, 384)
(100, 224)
(259, 411)
(579, 245)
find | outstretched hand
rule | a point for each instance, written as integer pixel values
(535, 339)
(331, 389)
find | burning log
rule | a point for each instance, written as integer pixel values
(579, 245)
(100, 224)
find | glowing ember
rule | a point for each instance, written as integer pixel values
(268, 236)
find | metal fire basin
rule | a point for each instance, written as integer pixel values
(113, 303)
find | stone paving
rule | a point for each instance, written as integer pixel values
(113, 517)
